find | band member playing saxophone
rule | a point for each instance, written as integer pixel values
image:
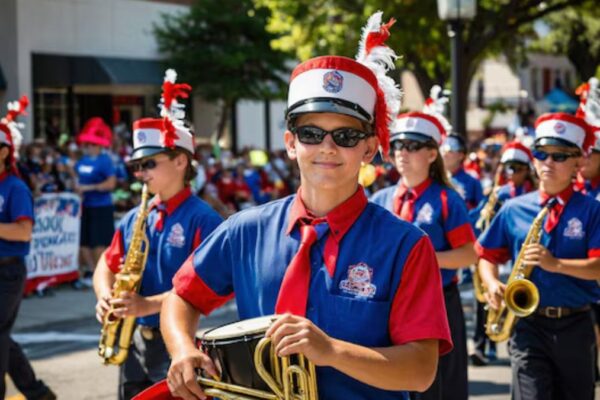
(551, 349)
(177, 223)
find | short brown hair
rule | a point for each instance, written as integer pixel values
(190, 170)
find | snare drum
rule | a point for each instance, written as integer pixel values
(231, 347)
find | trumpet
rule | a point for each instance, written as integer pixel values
(521, 297)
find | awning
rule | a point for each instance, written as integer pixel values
(50, 70)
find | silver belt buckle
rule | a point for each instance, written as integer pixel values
(553, 312)
(147, 332)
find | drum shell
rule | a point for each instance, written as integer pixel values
(234, 358)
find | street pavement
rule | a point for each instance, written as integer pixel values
(60, 335)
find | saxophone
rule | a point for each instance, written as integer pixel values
(521, 297)
(128, 279)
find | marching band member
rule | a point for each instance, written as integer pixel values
(364, 303)
(589, 108)
(425, 198)
(551, 351)
(16, 224)
(454, 152)
(177, 223)
(514, 178)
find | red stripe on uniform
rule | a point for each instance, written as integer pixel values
(495, 256)
(190, 287)
(593, 253)
(461, 235)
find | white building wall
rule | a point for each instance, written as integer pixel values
(278, 125)
(250, 123)
(109, 28)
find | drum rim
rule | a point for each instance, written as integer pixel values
(235, 337)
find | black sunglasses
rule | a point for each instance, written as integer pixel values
(143, 165)
(557, 157)
(343, 137)
(410, 145)
(515, 168)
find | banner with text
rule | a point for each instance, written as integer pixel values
(54, 254)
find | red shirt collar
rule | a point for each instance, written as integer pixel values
(594, 183)
(563, 197)
(340, 219)
(3, 175)
(174, 202)
(417, 191)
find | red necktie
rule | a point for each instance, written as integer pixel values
(408, 206)
(293, 293)
(553, 215)
(160, 220)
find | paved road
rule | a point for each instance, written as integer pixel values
(60, 336)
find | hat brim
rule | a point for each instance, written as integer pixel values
(334, 106)
(552, 141)
(144, 152)
(418, 137)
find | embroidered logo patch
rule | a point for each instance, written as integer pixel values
(333, 82)
(358, 283)
(560, 128)
(425, 214)
(141, 136)
(176, 237)
(574, 229)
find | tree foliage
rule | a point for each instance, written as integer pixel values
(222, 49)
(575, 32)
(314, 27)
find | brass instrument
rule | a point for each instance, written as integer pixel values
(287, 380)
(129, 279)
(478, 286)
(521, 297)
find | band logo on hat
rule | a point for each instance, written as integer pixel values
(333, 82)
(155, 135)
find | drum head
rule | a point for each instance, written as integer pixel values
(248, 327)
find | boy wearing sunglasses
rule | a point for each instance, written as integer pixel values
(551, 351)
(425, 198)
(177, 223)
(342, 271)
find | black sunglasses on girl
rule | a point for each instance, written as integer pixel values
(143, 165)
(410, 145)
(343, 137)
(557, 157)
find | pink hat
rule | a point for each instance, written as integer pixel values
(95, 131)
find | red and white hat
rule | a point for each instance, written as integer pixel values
(418, 126)
(10, 134)
(155, 135)
(561, 129)
(359, 88)
(516, 152)
(589, 107)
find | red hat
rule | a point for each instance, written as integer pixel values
(561, 129)
(589, 107)
(516, 152)
(10, 134)
(95, 131)
(418, 126)
(155, 135)
(359, 88)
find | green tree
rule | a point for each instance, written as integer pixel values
(575, 32)
(222, 49)
(313, 27)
